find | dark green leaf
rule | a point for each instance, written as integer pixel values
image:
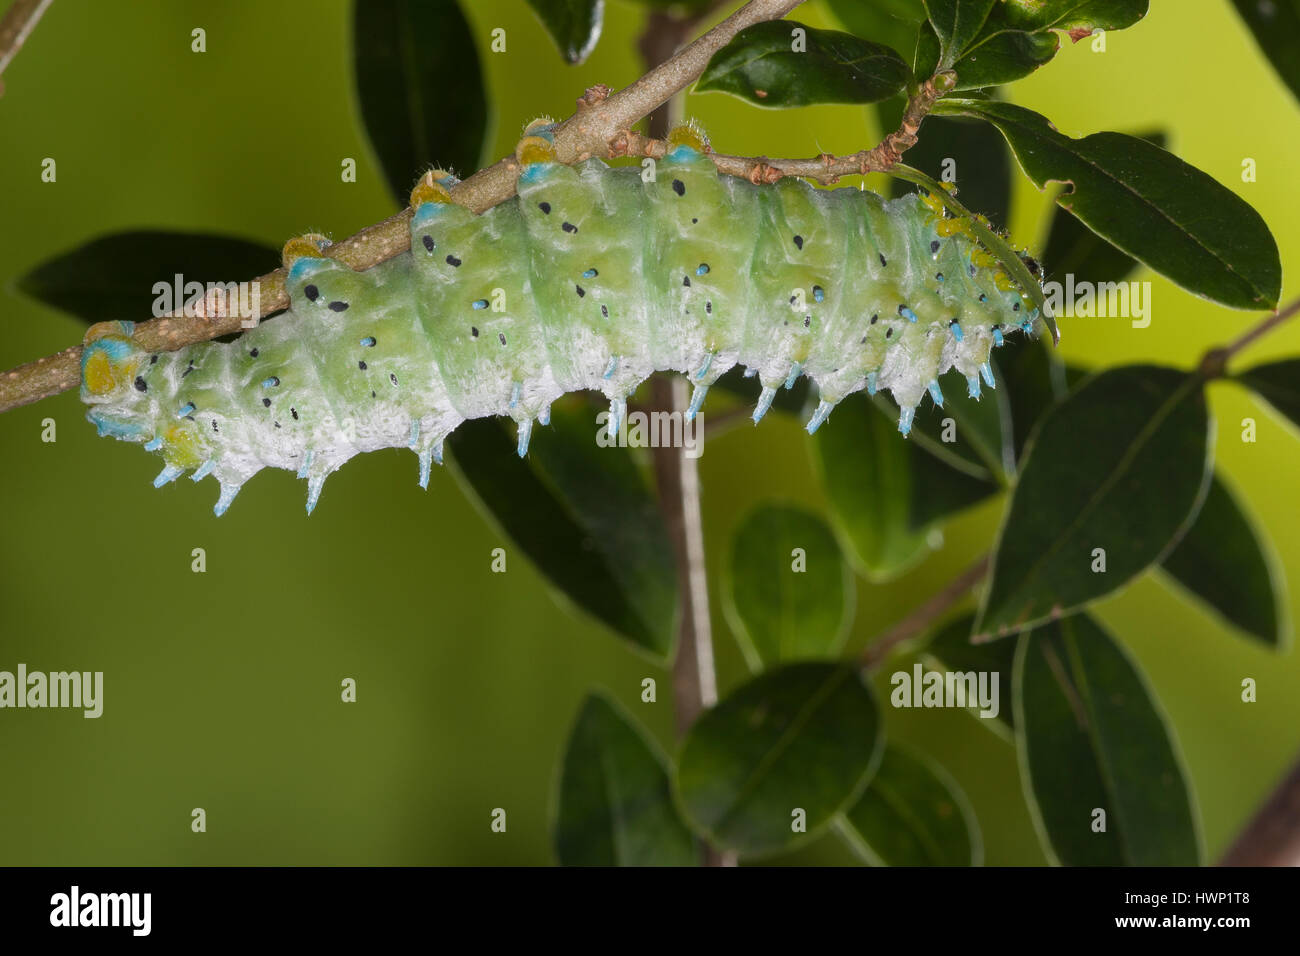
(1120, 465)
(1276, 25)
(1014, 39)
(887, 492)
(913, 814)
(615, 804)
(891, 22)
(951, 650)
(420, 88)
(1277, 383)
(574, 25)
(1035, 381)
(1074, 249)
(115, 275)
(1222, 562)
(1149, 203)
(760, 65)
(804, 737)
(1091, 735)
(978, 158)
(583, 515)
(785, 605)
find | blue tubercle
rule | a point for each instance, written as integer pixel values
(306, 463)
(704, 369)
(426, 212)
(986, 370)
(612, 367)
(228, 493)
(820, 415)
(306, 265)
(426, 466)
(871, 383)
(204, 470)
(702, 269)
(186, 409)
(617, 406)
(515, 392)
(314, 485)
(793, 377)
(936, 393)
(907, 313)
(415, 434)
(169, 474)
(997, 337)
(973, 386)
(153, 444)
(957, 333)
(697, 401)
(544, 416)
(525, 433)
(905, 417)
(109, 427)
(764, 403)
(479, 304)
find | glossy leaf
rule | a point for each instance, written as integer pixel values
(115, 275)
(1120, 466)
(615, 804)
(583, 515)
(1012, 40)
(1149, 203)
(951, 650)
(1222, 562)
(789, 590)
(803, 737)
(420, 88)
(977, 153)
(913, 814)
(1277, 383)
(886, 492)
(759, 65)
(1074, 249)
(1091, 736)
(574, 25)
(1276, 26)
(891, 22)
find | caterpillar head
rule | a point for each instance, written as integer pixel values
(111, 366)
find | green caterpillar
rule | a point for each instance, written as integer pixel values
(591, 278)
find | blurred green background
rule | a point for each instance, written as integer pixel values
(222, 689)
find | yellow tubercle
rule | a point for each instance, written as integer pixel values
(535, 149)
(180, 447)
(428, 189)
(1004, 282)
(301, 247)
(689, 134)
(97, 375)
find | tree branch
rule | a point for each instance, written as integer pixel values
(920, 619)
(585, 134)
(17, 25)
(1215, 362)
(825, 169)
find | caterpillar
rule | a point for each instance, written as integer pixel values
(592, 277)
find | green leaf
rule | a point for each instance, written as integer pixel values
(891, 22)
(913, 814)
(420, 88)
(1090, 735)
(780, 613)
(1035, 381)
(583, 515)
(1149, 203)
(114, 275)
(1277, 383)
(1074, 249)
(956, 23)
(1013, 39)
(1276, 26)
(759, 65)
(886, 492)
(803, 737)
(615, 804)
(977, 154)
(951, 650)
(1222, 562)
(574, 25)
(1120, 465)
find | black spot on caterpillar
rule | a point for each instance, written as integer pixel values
(665, 298)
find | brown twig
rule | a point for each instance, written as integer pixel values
(1215, 362)
(16, 26)
(598, 118)
(918, 620)
(825, 169)
(1272, 838)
